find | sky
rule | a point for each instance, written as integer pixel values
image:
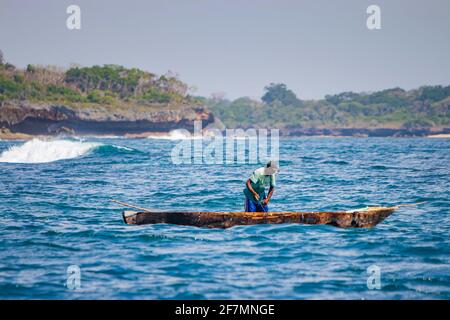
(238, 47)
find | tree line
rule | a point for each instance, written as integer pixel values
(107, 84)
(279, 107)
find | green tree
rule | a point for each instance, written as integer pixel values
(434, 93)
(280, 92)
(31, 68)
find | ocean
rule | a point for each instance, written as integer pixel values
(57, 216)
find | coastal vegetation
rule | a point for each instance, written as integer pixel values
(424, 107)
(133, 90)
(102, 85)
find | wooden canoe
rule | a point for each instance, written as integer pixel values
(360, 218)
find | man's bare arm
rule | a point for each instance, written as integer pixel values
(271, 191)
(249, 186)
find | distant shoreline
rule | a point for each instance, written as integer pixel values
(6, 135)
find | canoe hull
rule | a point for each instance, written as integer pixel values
(355, 219)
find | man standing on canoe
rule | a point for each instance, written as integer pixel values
(255, 196)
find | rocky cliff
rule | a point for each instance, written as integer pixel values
(366, 132)
(49, 119)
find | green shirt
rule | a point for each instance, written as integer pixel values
(258, 182)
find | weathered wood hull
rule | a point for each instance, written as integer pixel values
(364, 218)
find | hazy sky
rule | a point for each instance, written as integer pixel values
(316, 47)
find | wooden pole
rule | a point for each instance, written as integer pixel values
(133, 206)
(409, 204)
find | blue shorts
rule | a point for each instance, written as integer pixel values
(250, 206)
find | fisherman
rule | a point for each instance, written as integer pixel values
(255, 196)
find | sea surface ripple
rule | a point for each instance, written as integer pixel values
(57, 212)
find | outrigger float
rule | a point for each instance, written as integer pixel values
(360, 218)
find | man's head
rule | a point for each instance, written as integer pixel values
(271, 168)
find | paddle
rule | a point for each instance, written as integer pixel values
(261, 203)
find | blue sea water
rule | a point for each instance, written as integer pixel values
(58, 213)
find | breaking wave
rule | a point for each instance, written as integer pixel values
(178, 134)
(181, 134)
(111, 149)
(42, 151)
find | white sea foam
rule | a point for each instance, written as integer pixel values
(178, 134)
(123, 148)
(40, 151)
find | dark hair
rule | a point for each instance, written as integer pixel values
(271, 164)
